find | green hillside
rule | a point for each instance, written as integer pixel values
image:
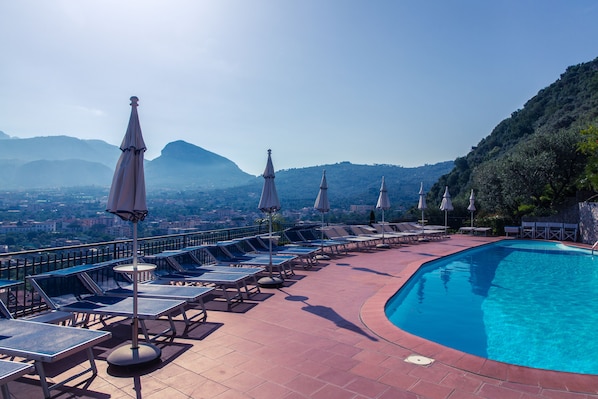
(532, 163)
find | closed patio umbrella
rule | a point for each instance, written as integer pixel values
(269, 204)
(127, 200)
(471, 208)
(383, 204)
(421, 205)
(446, 205)
(323, 206)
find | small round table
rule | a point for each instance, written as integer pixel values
(130, 269)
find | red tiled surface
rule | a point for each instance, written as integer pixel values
(322, 335)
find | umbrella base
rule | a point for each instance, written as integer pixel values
(129, 357)
(270, 282)
(383, 246)
(322, 257)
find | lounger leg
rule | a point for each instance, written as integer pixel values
(5, 392)
(204, 311)
(185, 318)
(39, 367)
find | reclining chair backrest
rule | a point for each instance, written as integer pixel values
(61, 290)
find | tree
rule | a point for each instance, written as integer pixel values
(589, 147)
(536, 177)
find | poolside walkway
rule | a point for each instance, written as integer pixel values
(323, 336)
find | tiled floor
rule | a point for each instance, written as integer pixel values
(323, 335)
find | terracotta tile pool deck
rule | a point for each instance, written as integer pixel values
(323, 335)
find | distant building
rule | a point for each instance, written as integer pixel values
(26, 227)
(361, 208)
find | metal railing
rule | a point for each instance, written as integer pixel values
(22, 299)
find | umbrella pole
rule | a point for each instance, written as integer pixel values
(383, 226)
(322, 255)
(383, 244)
(445, 222)
(322, 236)
(270, 281)
(270, 240)
(136, 355)
(135, 338)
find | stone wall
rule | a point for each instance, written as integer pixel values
(588, 222)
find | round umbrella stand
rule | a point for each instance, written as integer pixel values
(270, 282)
(126, 356)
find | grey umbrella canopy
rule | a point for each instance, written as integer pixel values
(383, 200)
(384, 204)
(421, 205)
(446, 205)
(471, 207)
(269, 200)
(127, 201)
(127, 193)
(322, 203)
(323, 206)
(269, 204)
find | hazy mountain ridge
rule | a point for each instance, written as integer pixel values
(61, 161)
(58, 148)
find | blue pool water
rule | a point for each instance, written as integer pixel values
(529, 303)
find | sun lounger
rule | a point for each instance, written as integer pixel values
(307, 255)
(66, 291)
(407, 231)
(46, 343)
(229, 284)
(424, 232)
(230, 253)
(222, 281)
(50, 316)
(338, 233)
(390, 232)
(333, 246)
(105, 281)
(184, 261)
(384, 238)
(10, 371)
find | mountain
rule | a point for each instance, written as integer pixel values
(348, 184)
(61, 161)
(46, 174)
(358, 184)
(531, 163)
(185, 166)
(58, 148)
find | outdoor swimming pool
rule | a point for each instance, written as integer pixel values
(529, 303)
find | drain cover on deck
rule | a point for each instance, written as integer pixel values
(421, 360)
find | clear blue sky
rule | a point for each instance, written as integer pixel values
(317, 81)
